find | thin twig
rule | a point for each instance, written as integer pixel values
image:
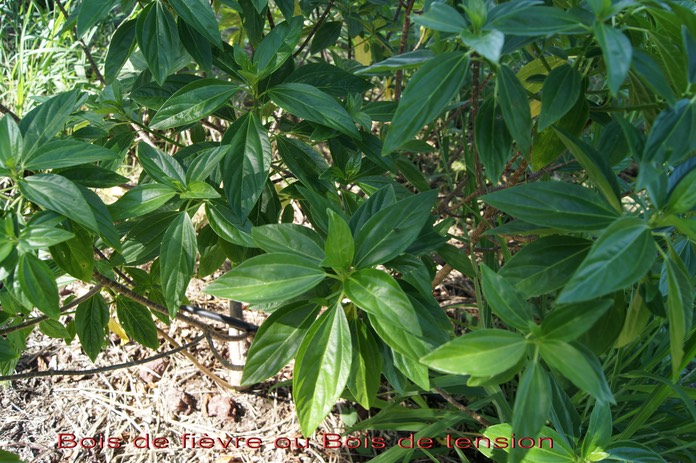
(5, 110)
(479, 418)
(35, 321)
(84, 46)
(94, 371)
(402, 47)
(315, 28)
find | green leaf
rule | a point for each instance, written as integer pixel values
(554, 204)
(622, 254)
(598, 435)
(670, 137)
(326, 36)
(75, 256)
(391, 230)
(105, 223)
(680, 302)
(160, 167)
(547, 146)
(339, 247)
(277, 341)
(441, 17)
(633, 452)
(546, 264)
(205, 163)
(66, 153)
(493, 140)
(38, 284)
(562, 88)
(595, 165)
(312, 104)
(364, 379)
(277, 47)
(272, 277)
(195, 45)
(568, 322)
(330, 79)
(391, 313)
(93, 12)
(55, 329)
(379, 200)
(408, 60)
(515, 106)
(200, 190)
(60, 195)
(322, 367)
(488, 44)
(682, 198)
(485, 352)
(289, 238)
(227, 225)
(158, 39)
(120, 48)
(91, 318)
(177, 259)
(137, 322)
(11, 142)
(40, 237)
(141, 200)
(428, 93)
(617, 52)
(553, 448)
(45, 121)
(580, 366)
(193, 102)
(200, 16)
(507, 302)
(537, 21)
(7, 353)
(94, 176)
(532, 406)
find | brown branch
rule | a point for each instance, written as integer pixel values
(84, 46)
(5, 110)
(94, 371)
(479, 418)
(398, 81)
(315, 28)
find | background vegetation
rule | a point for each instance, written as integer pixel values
(346, 157)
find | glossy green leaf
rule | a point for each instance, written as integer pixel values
(391, 313)
(39, 237)
(506, 301)
(413, 370)
(632, 452)
(276, 276)
(200, 190)
(289, 238)
(277, 341)
(137, 322)
(485, 352)
(46, 120)
(532, 406)
(199, 15)
(339, 247)
(141, 200)
(326, 36)
(570, 321)
(195, 45)
(312, 104)
(624, 252)
(554, 204)
(680, 302)
(11, 143)
(617, 52)
(441, 17)
(683, 197)
(193, 102)
(158, 39)
(329, 79)
(7, 353)
(408, 60)
(547, 146)
(493, 140)
(66, 153)
(228, 225)
(595, 165)
(379, 200)
(545, 264)
(277, 46)
(60, 195)
(428, 93)
(161, 167)
(538, 21)
(562, 88)
(670, 138)
(322, 367)
(598, 435)
(514, 105)
(364, 379)
(93, 12)
(75, 256)
(488, 44)
(93, 176)
(552, 448)
(177, 259)
(38, 284)
(390, 231)
(247, 165)
(120, 48)
(105, 223)
(580, 366)
(91, 318)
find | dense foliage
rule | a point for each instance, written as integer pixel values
(340, 153)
